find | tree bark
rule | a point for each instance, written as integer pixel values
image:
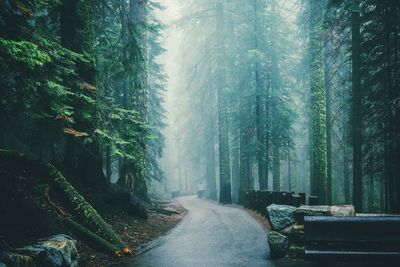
(276, 170)
(210, 172)
(328, 87)
(356, 108)
(235, 167)
(83, 161)
(223, 132)
(318, 105)
(261, 162)
(85, 211)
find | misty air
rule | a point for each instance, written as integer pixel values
(188, 133)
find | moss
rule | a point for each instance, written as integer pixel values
(86, 212)
(319, 162)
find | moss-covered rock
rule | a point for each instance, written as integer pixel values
(57, 251)
(295, 233)
(296, 252)
(301, 212)
(278, 244)
(280, 216)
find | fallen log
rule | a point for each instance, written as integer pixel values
(161, 202)
(88, 235)
(164, 211)
(83, 209)
(48, 176)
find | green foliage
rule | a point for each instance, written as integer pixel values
(23, 53)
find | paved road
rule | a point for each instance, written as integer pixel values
(211, 235)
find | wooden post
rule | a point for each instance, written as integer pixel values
(296, 201)
(303, 198)
(313, 200)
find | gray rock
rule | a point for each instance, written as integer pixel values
(287, 231)
(297, 233)
(55, 251)
(280, 216)
(278, 245)
(344, 210)
(296, 252)
(3, 264)
(301, 212)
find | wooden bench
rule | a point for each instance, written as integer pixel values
(330, 239)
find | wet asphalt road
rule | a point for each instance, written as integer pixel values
(211, 235)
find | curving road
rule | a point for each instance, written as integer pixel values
(211, 235)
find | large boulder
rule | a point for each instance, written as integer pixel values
(304, 210)
(278, 244)
(280, 216)
(55, 251)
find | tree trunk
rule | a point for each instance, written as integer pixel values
(392, 147)
(289, 171)
(93, 238)
(328, 87)
(346, 173)
(318, 106)
(261, 163)
(244, 165)
(356, 108)
(83, 161)
(235, 168)
(276, 167)
(211, 178)
(371, 194)
(108, 163)
(85, 211)
(267, 130)
(223, 132)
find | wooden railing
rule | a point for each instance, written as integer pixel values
(258, 200)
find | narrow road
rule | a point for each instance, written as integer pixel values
(211, 235)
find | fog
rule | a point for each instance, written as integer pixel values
(191, 99)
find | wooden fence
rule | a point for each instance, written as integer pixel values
(258, 200)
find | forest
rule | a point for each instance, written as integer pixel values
(112, 109)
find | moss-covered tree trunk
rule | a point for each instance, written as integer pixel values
(35, 181)
(83, 209)
(390, 13)
(328, 87)
(318, 105)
